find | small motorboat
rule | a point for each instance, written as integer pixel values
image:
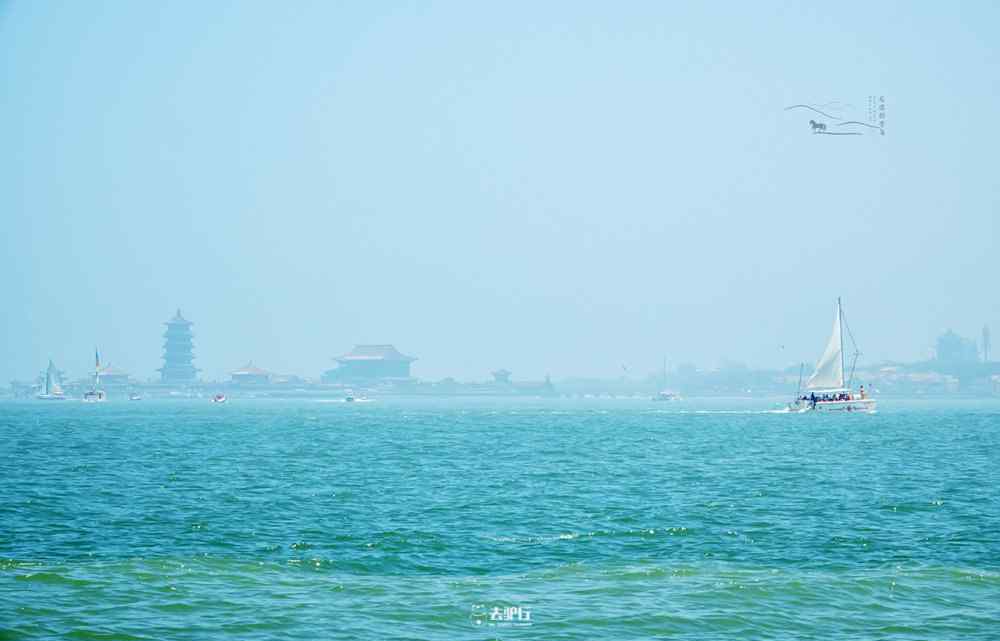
(666, 395)
(94, 396)
(219, 398)
(134, 397)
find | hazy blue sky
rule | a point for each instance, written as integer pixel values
(550, 187)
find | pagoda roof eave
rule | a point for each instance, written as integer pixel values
(250, 370)
(383, 352)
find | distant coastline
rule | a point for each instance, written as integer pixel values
(923, 379)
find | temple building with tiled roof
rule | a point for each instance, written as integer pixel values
(250, 374)
(111, 375)
(370, 363)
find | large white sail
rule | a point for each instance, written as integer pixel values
(56, 389)
(52, 386)
(829, 372)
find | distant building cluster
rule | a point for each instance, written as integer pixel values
(365, 364)
(959, 365)
(371, 367)
(952, 349)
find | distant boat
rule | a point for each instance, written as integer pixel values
(828, 389)
(351, 397)
(95, 395)
(134, 397)
(219, 398)
(666, 394)
(53, 390)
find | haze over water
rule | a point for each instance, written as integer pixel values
(558, 189)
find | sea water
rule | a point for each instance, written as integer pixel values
(498, 519)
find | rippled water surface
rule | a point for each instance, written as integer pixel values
(438, 520)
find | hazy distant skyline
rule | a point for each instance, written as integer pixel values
(557, 188)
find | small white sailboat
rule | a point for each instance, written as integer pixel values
(828, 389)
(666, 394)
(53, 390)
(94, 394)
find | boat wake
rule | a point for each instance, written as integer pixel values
(724, 412)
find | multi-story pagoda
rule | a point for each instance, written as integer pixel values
(178, 352)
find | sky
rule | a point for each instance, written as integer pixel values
(562, 188)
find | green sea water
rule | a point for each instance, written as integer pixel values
(494, 519)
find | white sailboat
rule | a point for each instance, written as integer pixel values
(95, 395)
(828, 389)
(53, 390)
(666, 394)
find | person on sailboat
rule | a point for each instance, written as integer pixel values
(862, 391)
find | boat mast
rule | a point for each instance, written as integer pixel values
(855, 355)
(840, 330)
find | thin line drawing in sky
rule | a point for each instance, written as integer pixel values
(822, 113)
(836, 105)
(857, 122)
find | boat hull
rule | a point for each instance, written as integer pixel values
(863, 405)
